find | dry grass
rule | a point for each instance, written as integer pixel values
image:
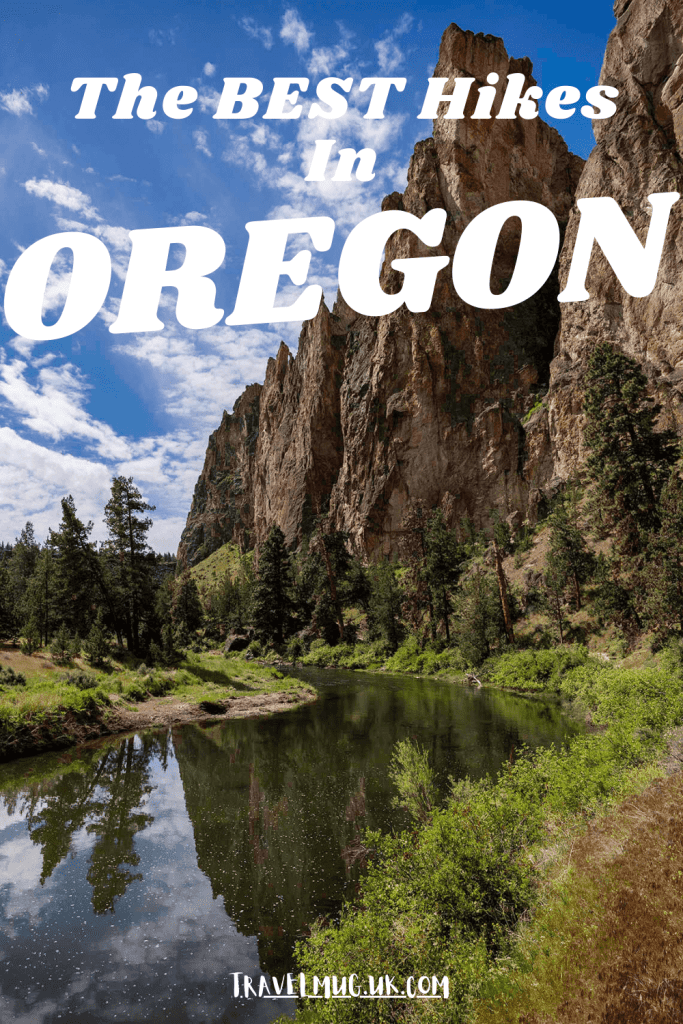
(608, 946)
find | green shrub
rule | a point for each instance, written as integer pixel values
(410, 772)
(8, 677)
(536, 670)
(82, 680)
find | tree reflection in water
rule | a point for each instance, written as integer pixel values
(107, 800)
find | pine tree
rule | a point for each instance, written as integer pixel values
(129, 556)
(273, 603)
(96, 649)
(569, 561)
(629, 460)
(77, 575)
(22, 564)
(663, 578)
(417, 605)
(384, 612)
(186, 608)
(8, 619)
(443, 563)
(555, 580)
(40, 599)
(480, 622)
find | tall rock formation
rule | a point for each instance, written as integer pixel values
(639, 150)
(373, 412)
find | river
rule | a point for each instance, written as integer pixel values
(138, 873)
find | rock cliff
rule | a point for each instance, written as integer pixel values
(375, 411)
(638, 151)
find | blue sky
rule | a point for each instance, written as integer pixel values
(77, 411)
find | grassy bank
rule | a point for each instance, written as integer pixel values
(483, 889)
(44, 707)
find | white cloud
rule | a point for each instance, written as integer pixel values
(18, 101)
(209, 69)
(39, 151)
(63, 194)
(208, 100)
(159, 36)
(36, 478)
(294, 31)
(389, 53)
(201, 141)
(54, 406)
(156, 127)
(256, 31)
(325, 59)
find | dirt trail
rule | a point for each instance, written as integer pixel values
(624, 965)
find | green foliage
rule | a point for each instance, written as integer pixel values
(629, 460)
(31, 639)
(295, 648)
(64, 648)
(273, 602)
(530, 671)
(8, 677)
(384, 611)
(186, 608)
(480, 624)
(662, 580)
(412, 657)
(569, 564)
(96, 649)
(81, 680)
(448, 894)
(130, 562)
(410, 772)
(353, 656)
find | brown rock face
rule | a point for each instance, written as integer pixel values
(222, 505)
(638, 151)
(374, 412)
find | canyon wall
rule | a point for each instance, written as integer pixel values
(375, 411)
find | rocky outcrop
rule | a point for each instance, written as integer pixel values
(222, 505)
(638, 150)
(432, 403)
(374, 412)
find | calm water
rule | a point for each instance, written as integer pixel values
(134, 876)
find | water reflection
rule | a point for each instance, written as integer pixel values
(177, 858)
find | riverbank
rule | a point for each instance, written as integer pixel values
(45, 707)
(522, 888)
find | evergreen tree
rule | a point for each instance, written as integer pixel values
(64, 648)
(273, 604)
(96, 649)
(417, 606)
(22, 565)
(554, 585)
(77, 576)
(442, 567)
(480, 623)
(186, 608)
(130, 558)
(40, 599)
(629, 460)
(569, 561)
(663, 577)
(8, 619)
(384, 613)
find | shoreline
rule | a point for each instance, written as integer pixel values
(58, 731)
